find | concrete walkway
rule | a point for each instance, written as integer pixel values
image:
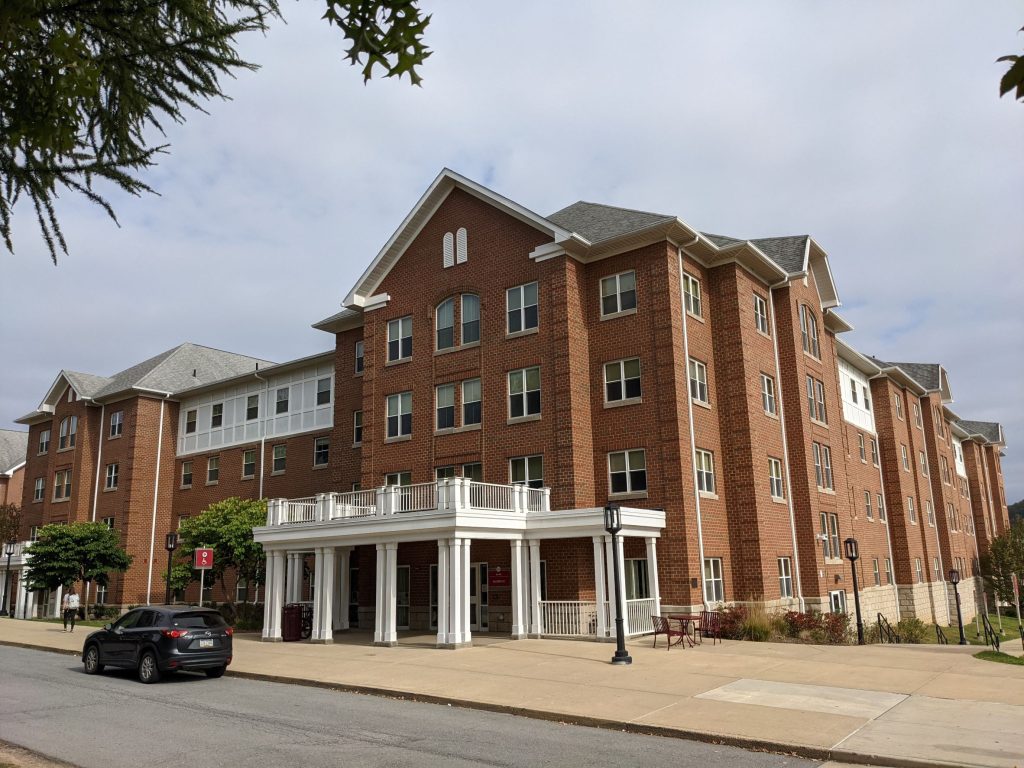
(882, 705)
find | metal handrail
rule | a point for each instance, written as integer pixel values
(886, 633)
(940, 637)
(991, 638)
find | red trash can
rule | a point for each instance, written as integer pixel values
(291, 622)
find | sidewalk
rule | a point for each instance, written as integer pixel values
(883, 705)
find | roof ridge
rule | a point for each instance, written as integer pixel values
(617, 208)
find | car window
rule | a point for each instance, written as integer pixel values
(128, 620)
(198, 620)
(148, 619)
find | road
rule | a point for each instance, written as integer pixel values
(48, 704)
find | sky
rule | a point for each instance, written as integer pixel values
(873, 126)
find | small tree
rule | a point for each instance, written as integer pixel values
(226, 528)
(1004, 557)
(65, 554)
(10, 522)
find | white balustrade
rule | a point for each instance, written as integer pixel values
(491, 496)
(300, 510)
(538, 499)
(638, 613)
(418, 497)
(569, 618)
(355, 504)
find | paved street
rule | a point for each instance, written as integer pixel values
(51, 706)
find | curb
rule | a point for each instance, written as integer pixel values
(753, 745)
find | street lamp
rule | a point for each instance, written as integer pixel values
(954, 579)
(613, 524)
(9, 548)
(852, 554)
(170, 544)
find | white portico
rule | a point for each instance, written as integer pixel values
(454, 513)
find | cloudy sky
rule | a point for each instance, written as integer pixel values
(874, 126)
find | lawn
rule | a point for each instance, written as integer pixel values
(1009, 625)
(1001, 658)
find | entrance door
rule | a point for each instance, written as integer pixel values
(402, 597)
(837, 601)
(478, 597)
(433, 596)
(353, 597)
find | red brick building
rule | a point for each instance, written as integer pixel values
(498, 377)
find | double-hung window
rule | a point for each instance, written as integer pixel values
(62, 485)
(924, 464)
(471, 411)
(446, 324)
(524, 392)
(868, 511)
(280, 458)
(249, 463)
(400, 339)
(618, 293)
(470, 318)
(698, 381)
(917, 415)
(768, 394)
(929, 512)
(627, 471)
(116, 424)
(44, 441)
(217, 415)
(622, 380)
(822, 465)
(761, 314)
(775, 479)
(785, 577)
(816, 400)
(911, 512)
(399, 415)
(521, 308)
(445, 396)
(527, 470)
(881, 507)
(888, 571)
(830, 535)
(899, 405)
(68, 430)
(874, 452)
(705, 461)
(321, 451)
(906, 458)
(860, 447)
(186, 474)
(359, 356)
(714, 586)
(853, 391)
(39, 490)
(323, 391)
(190, 421)
(875, 572)
(252, 407)
(213, 469)
(113, 470)
(357, 428)
(691, 295)
(809, 331)
(281, 403)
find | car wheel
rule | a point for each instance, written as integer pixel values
(216, 672)
(92, 661)
(149, 672)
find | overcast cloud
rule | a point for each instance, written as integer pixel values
(873, 126)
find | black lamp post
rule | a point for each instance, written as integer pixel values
(613, 524)
(954, 579)
(9, 548)
(852, 554)
(170, 544)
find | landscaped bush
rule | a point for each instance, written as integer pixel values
(101, 611)
(911, 630)
(732, 619)
(799, 624)
(836, 627)
(757, 625)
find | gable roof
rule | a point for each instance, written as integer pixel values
(597, 222)
(13, 448)
(925, 374)
(85, 384)
(991, 431)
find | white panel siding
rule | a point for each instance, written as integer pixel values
(855, 413)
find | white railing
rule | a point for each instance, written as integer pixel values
(355, 504)
(300, 510)
(568, 618)
(638, 613)
(492, 496)
(537, 499)
(418, 497)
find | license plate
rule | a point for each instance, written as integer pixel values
(206, 643)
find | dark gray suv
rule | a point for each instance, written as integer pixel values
(161, 638)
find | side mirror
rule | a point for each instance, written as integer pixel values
(106, 627)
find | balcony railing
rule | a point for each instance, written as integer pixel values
(448, 495)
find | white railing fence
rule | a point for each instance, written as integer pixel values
(355, 504)
(568, 618)
(300, 510)
(492, 496)
(638, 613)
(418, 497)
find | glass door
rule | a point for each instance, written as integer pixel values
(402, 597)
(478, 597)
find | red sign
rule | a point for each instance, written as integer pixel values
(204, 559)
(499, 577)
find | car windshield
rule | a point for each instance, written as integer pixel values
(198, 620)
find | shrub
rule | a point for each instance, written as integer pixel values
(732, 619)
(911, 630)
(836, 627)
(757, 625)
(801, 625)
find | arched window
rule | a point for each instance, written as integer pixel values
(446, 324)
(809, 331)
(470, 318)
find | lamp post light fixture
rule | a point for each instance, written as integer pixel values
(613, 524)
(9, 548)
(954, 579)
(852, 553)
(170, 544)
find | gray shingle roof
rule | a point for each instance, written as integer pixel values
(925, 374)
(345, 314)
(987, 429)
(787, 252)
(13, 448)
(721, 241)
(598, 222)
(86, 384)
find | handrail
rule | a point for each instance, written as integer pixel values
(886, 633)
(940, 636)
(991, 638)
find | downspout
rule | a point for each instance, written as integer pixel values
(689, 407)
(263, 422)
(156, 495)
(99, 463)
(888, 532)
(785, 444)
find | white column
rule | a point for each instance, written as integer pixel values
(536, 624)
(289, 578)
(379, 590)
(268, 603)
(275, 594)
(456, 579)
(467, 636)
(520, 612)
(609, 572)
(55, 611)
(327, 594)
(652, 572)
(443, 592)
(620, 575)
(391, 637)
(318, 591)
(341, 593)
(600, 591)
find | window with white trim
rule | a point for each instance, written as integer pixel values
(190, 421)
(398, 478)
(906, 458)
(888, 571)
(622, 380)
(44, 441)
(39, 490)
(768, 394)
(714, 585)
(785, 577)
(399, 415)
(281, 402)
(470, 318)
(521, 308)
(627, 471)
(62, 485)
(112, 473)
(186, 474)
(471, 403)
(321, 451)
(853, 391)
(400, 338)
(705, 461)
(868, 510)
(875, 572)
(357, 428)
(775, 479)
(874, 452)
(445, 324)
(68, 430)
(444, 396)
(249, 463)
(822, 466)
(280, 458)
(911, 512)
(698, 381)
(323, 391)
(881, 507)
(860, 447)
(473, 471)
(524, 392)
(33, 533)
(116, 424)
(809, 331)
(217, 415)
(936, 570)
(213, 469)
(638, 585)
(252, 407)
(816, 400)
(692, 296)
(830, 535)
(761, 314)
(899, 405)
(924, 464)
(527, 470)
(918, 570)
(109, 522)
(618, 293)
(360, 361)
(917, 415)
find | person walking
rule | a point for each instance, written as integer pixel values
(70, 608)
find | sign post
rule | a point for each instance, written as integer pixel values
(1016, 602)
(203, 563)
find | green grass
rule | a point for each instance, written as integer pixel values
(89, 623)
(1009, 625)
(999, 657)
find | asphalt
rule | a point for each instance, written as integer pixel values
(881, 705)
